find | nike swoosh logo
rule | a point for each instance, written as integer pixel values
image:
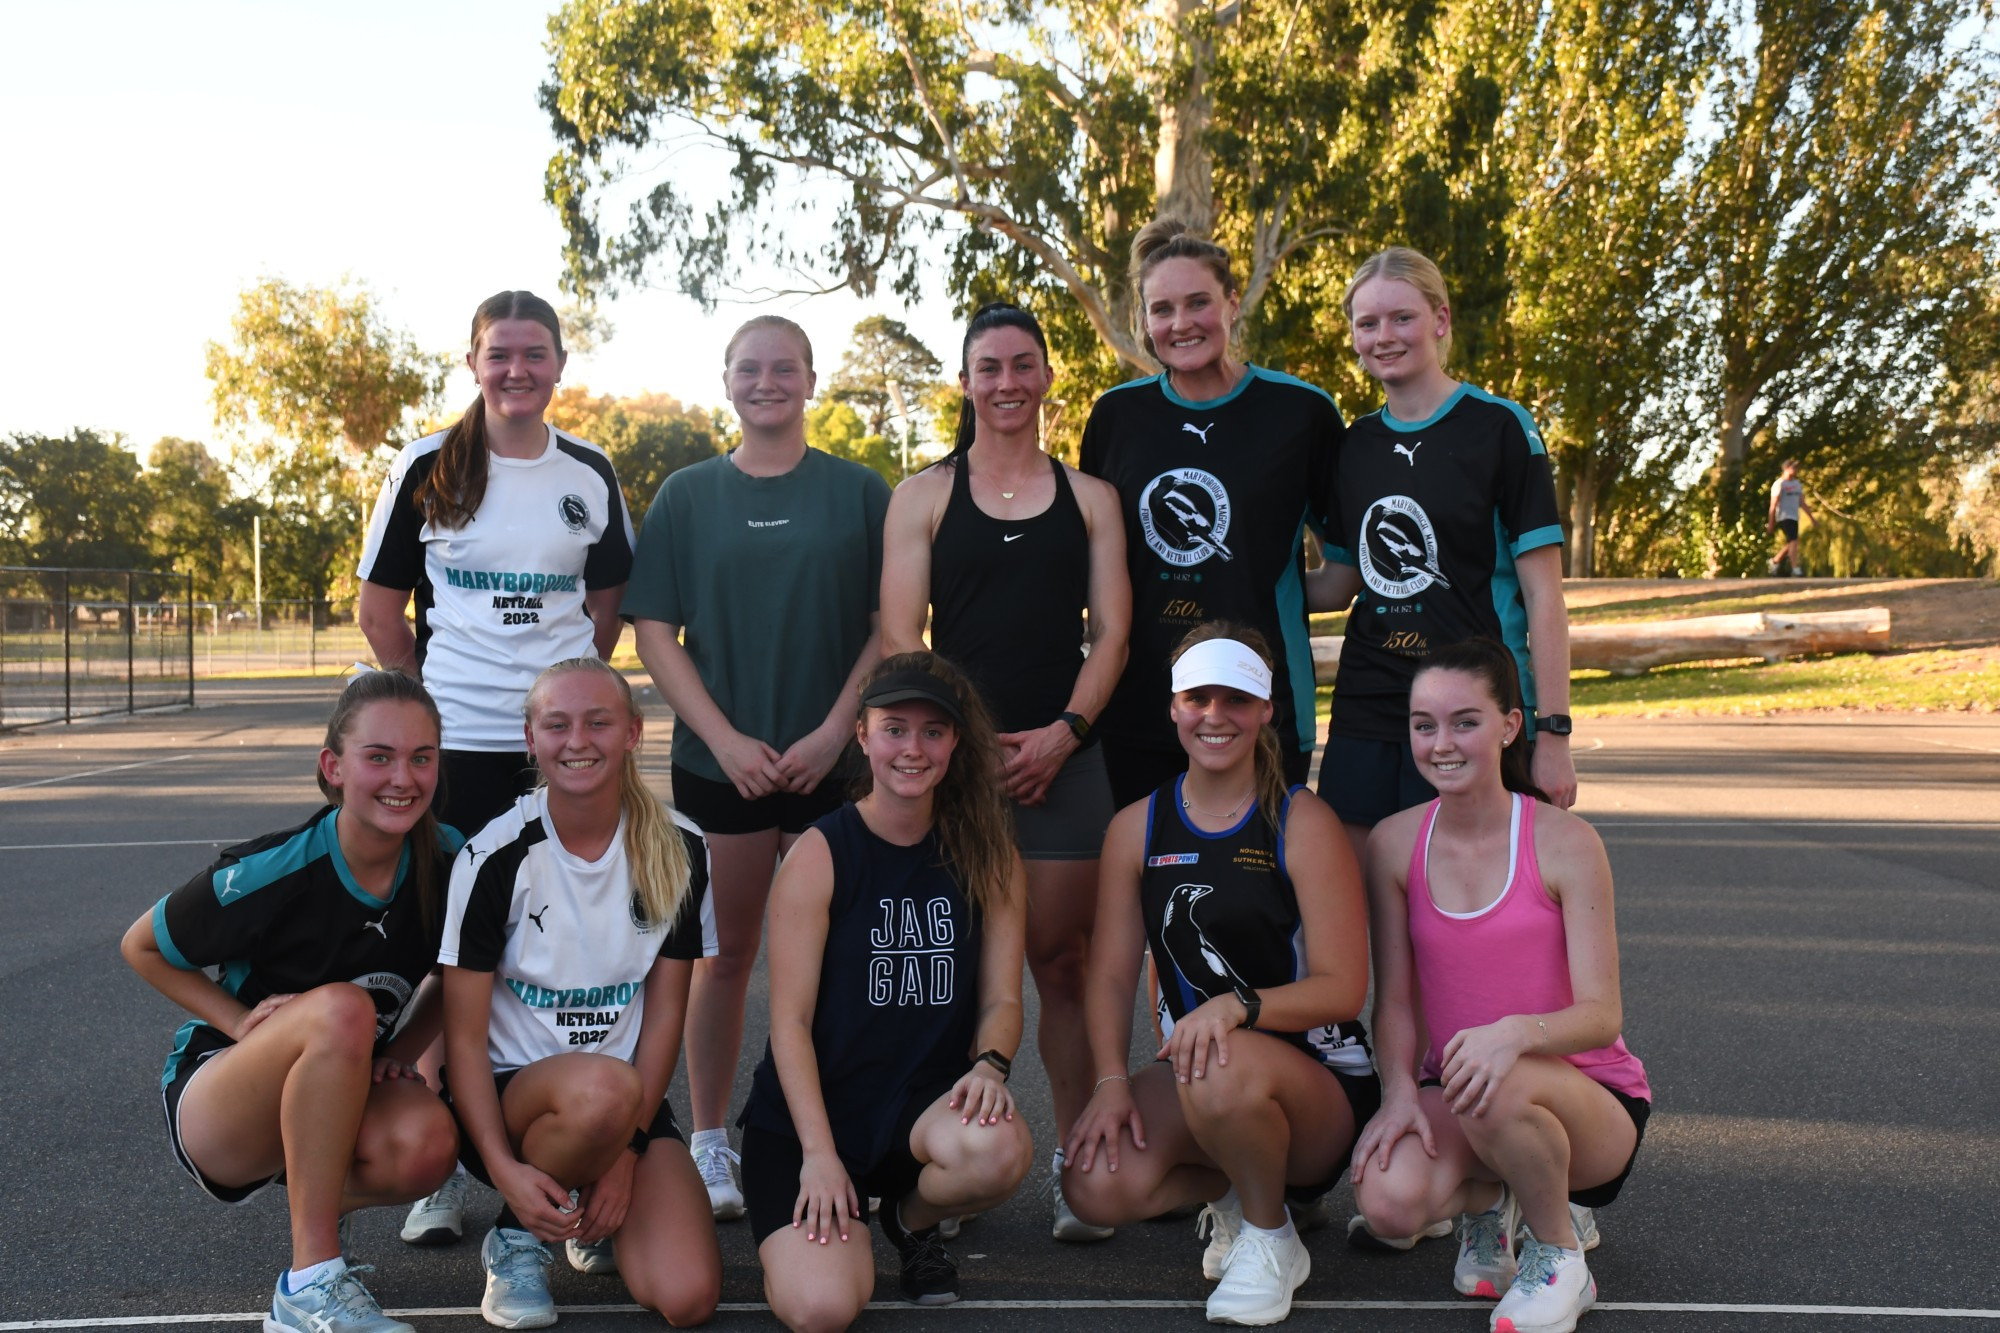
(1016, 537)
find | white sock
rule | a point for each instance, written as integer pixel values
(1056, 1162)
(298, 1279)
(1285, 1232)
(1499, 1202)
(704, 1138)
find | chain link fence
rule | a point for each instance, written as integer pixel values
(278, 638)
(80, 643)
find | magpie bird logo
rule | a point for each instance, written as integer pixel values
(536, 917)
(1202, 431)
(1409, 453)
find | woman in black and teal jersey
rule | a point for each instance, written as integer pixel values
(1447, 529)
(1220, 467)
(299, 1063)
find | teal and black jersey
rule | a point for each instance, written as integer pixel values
(282, 914)
(1216, 496)
(1434, 513)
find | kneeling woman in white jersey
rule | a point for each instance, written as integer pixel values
(574, 922)
(898, 924)
(1250, 900)
(1493, 923)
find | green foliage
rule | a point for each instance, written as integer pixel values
(194, 522)
(835, 428)
(648, 438)
(884, 374)
(72, 500)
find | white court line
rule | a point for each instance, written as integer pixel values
(93, 846)
(886, 1307)
(1954, 745)
(94, 772)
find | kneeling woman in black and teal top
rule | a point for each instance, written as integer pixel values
(299, 1062)
(1251, 904)
(896, 937)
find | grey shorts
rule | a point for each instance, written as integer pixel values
(1069, 824)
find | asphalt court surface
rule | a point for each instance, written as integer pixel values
(1810, 930)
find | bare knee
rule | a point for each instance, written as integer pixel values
(1102, 1197)
(601, 1096)
(820, 1309)
(689, 1300)
(1394, 1203)
(340, 1019)
(1223, 1096)
(412, 1153)
(995, 1159)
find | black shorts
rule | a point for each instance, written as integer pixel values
(1364, 1099)
(1790, 527)
(1597, 1196)
(663, 1127)
(1367, 781)
(203, 1043)
(1137, 773)
(772, 1162)
(717, 807)
(1069, 824)
(475, 786)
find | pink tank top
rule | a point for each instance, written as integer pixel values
(1509, 957)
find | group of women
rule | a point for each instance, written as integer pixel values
(1098, 757)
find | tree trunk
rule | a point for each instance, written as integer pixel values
(1183, 173)
(1582, 549)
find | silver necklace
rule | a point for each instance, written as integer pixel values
(1186, 804)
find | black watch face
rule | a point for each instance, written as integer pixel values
(1557, 725)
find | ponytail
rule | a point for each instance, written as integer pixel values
(450, 494)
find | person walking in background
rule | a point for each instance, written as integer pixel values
(1788, 501)
(1008, 550)
(753, 603)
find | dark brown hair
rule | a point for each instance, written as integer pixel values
(1492, 664)
(449, 496)
(1271, 789)
(373, 687)
(992, 315)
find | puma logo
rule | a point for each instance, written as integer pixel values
(377, 926)
(1202, 431)
(536, 917)
(1409, 453)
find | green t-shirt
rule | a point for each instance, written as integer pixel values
(772, 581)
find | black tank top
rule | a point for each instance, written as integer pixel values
(1007, 600)
(1219, 908)
(898, 1003)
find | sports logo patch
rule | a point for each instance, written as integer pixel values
(1184, 515)
(575, 513)
(1174, 859)
(1399, 549)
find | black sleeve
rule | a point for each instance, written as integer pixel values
(609, 563)
(1090, 452)
(393, 554)
(1323, 468)
(692, 934)
(482, 927)
(221, 914)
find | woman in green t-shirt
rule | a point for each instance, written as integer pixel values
(753, 601)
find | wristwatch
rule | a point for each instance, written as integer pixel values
(640, 1138)
(1078, 724)
(1251, 1002)
(998, 1061)
(1556, 724)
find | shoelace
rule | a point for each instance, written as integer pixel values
(514, 1258)
(1538, 1264)
(713, 1160)
(449, 1195)
(1483, 1236)
(927, 1259)
(1252, 1247)
(1213, 1222)
(347, 1296)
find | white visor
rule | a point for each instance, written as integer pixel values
(1222, 662)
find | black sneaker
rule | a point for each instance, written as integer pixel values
(930, 1274)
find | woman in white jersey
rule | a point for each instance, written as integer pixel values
(753, 605)
(572, 928)
(1493, 930)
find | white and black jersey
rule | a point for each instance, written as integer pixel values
(282, 914)
(565, 939)
(501, 598)
(1434, 513)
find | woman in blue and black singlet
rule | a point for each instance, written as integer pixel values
(299, 1064)
(1008, 549)
(896, 945)
(1250, 904)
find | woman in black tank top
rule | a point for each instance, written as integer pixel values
(895, 938)
(1007, 550)
(1250, 901)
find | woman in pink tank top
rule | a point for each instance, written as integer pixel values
(1508, 1096)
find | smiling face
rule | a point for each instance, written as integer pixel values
(385, 771)
(579, 732)
(518, 367)
(1218, 724)
(1188, 316)
(768, 379)
(908, 746)
(1005, 377)
(1396, 330)
(1457, 730)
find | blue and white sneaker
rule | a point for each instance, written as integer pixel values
(517, 1280)
(337, 1303)
(438, 1219)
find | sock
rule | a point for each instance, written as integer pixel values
(704, 1138)
(507, 1221)
(1285, 1232)
(1499, 1202)
(1228, 1203)
(298, 1279)
(1056, 1162)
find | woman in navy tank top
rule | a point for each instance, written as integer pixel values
(1007, 550)
(1250, 904)
(896, 942)
(1493, 920)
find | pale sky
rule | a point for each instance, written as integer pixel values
(160, 157)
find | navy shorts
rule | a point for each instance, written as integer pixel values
(717, 807)
(663, 1127)
(772, 1162)
(1367, 781)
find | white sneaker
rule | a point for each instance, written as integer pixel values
(1486, 1248)
(717, 1164)
(1585, 1222)
(596, 1257)
(1361, 1238)
(517, 1280)
(1220, 1222)
(438, 1219)
(1262, 1273)
(1068, 1226)
(1551, 1290)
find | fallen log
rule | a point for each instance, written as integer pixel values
(1631, 649)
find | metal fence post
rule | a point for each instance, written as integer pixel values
(131, 637)
(187, 628)
(66, 647)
